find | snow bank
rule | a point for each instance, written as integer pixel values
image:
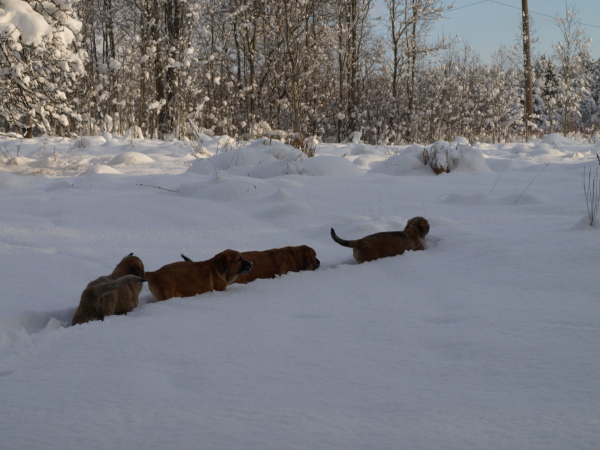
(420, 159)
(267, 159)
(130, 159)
(558, 139)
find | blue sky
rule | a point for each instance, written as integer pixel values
(486, 25)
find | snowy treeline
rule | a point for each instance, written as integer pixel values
(322, 68)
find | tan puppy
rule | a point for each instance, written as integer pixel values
(389, 243)
(277, 261)
(186, 278)
(116, 293)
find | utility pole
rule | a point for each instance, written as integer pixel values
(528, 76)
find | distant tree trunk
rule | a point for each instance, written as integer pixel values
(168, 88)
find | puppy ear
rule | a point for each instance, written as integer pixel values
(222, 262)
(137, 270)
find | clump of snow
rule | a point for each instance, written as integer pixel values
(100, 169)
(558, 139)
(468, 159)
(130, 159)
(406, 161)
(22, 23)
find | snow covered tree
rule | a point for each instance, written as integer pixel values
(352, 26)
(547, 87)
(39, 64)
(572, 55)
(408, 24)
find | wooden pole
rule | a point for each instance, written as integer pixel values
(527, 62)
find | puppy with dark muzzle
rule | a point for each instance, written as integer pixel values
(388, 243)
(277, 261)
(187, 278)
(117, 293)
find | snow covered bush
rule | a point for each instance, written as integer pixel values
(307, 145)
(444, 157)
(39, 63)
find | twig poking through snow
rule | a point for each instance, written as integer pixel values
(591, 189)
(494, 186)
(156, 187)
(515, 202)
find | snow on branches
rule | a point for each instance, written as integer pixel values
(39, 63)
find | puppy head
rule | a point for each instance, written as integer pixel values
(230, 264)
(418, 224)
(130, 265)
(309, 258)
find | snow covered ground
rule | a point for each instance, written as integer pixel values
(490, 338)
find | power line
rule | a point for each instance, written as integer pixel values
(516, 7)
(385, 16)
(467, 6)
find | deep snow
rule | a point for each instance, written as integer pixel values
(489, 338)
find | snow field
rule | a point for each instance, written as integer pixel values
(487, 339)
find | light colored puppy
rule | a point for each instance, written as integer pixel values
(186, 278)
(388, 243)
(116, 293)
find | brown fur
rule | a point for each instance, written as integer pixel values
(389, 243)
(277, 261)
(186, 278)
(116, 293)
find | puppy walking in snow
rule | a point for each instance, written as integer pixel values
(187, 279)
(277, 261)
(116, 293)
(388, 243)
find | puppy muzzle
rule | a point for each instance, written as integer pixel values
(245, 268)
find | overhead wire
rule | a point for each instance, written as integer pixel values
(498, 3)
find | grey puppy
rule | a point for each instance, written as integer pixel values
(117, 293)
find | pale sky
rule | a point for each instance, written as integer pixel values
(486, 25)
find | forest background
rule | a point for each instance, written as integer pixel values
(289, 69)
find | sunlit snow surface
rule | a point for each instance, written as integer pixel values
(488, 339)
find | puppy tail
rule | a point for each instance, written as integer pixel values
(100, 289)
(339, 240)
(185, 258)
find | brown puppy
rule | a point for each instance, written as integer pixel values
(186, 278)
(116, 293)
(390, 243)
(277, 261)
